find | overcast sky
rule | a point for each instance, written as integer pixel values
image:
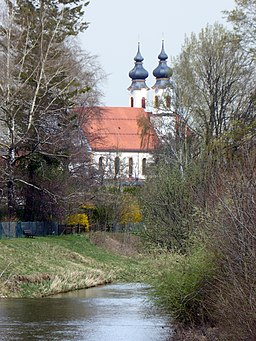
(116, 26)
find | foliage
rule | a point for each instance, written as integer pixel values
(43, 74)
(214, 82)
(212, 193)
(183, 286)
(114, 206)
(231, 224)
(134, 190)
(106, 212)
(243, 18)
(88, 206)
(146, 131)
(168, 205)
(80, 219)
(131, 212)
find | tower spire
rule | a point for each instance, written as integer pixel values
(162, 72)
(162, 86)
(138, 89)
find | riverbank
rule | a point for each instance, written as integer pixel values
(43, 266)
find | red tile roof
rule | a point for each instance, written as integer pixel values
(118, 128)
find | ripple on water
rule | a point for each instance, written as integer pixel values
(117, 312)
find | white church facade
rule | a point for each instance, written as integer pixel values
(122, 139)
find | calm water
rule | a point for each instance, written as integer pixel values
(119, 312)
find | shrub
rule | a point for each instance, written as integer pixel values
(232, 227)
(80, 219)
(131, 212)
(183, 286)
(168, 206)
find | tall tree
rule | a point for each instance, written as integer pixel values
(43, 76)
(243, 18)
(214, 80)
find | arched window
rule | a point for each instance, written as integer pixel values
(130, 167)
(168, 101)
(101, 164)
(156, 102)
(144, 166)
(132, 102)
(117, 166)
(143, 102)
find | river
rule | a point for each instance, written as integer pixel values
(117, 312)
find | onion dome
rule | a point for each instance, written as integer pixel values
(163, 72)
(138, 74)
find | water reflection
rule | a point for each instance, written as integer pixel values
(109, 313)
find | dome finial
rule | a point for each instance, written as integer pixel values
(162, 55)
(138, 57)
(163, 72)
(138, 74)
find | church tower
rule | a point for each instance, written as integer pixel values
(163, 87)
(138, 89)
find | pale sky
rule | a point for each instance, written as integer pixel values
(116, 26)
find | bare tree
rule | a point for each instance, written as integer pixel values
(43, 76)
(214, 80)
(243, 18)
(230, 226)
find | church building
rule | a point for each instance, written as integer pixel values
(122, 139)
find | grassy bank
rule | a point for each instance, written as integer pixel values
(33, 267)
(42, 266)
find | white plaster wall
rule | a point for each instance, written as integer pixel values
(161, 93)
(137, 97)
(158, 92)
(109, 161)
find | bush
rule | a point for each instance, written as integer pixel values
(232, 227)
(80, 219)
(184, 285)
(131, 212)
(168, 205)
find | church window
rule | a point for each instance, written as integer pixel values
(156, 102)
(132, 102)
(130, 167)
(144, 166)
(101, 164)
(117, 166)
(168, 101)
(143, 102)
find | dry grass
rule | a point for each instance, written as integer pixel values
(48, 265)
(119, 243)
(45, 266)
(193, 334)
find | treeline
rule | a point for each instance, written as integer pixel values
(199, 199)
(45, 170)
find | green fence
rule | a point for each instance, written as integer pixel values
(13, 229)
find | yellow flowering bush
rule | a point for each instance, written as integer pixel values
(131, 213)
(88, 206)
(80, 219)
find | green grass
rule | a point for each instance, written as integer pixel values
(32, 267)
(42, 266)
